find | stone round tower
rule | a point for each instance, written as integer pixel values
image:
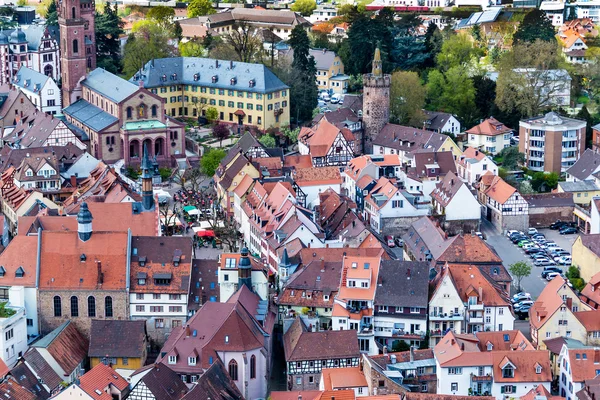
(376, 102)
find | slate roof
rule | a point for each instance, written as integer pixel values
(586, 165)
(117, 338)
(66, 345)
(579, 186)
(109, 85)
(446, 189)
(161, 381)
(592, 242)
(29, 79)
(300, 344)
(203, 271)
(353, 102)
(323, 58)
(184, 70)
(41, 368)
(549, 200)
(23, 375)
(408, 139)
(436, 120)
(90, 115)
(403, 284)
(214, 384)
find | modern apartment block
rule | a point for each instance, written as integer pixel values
(551, 142)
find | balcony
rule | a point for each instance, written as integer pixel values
(398, 333)
(452, 316)
(476, 320)
(17, 314)
(440, 332)
(476, 307)
(481, 378)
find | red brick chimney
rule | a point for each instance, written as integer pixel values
(100, 274)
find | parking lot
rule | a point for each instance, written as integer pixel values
(511, 253)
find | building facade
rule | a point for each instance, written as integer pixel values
(40, 89)
(551, 143)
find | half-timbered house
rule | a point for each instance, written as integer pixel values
(327, 144)
(505, 206)
(41, 130)
(308, 353)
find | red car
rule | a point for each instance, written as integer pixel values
(390, 241)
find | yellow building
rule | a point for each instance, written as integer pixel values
(122, 344)
(583, 191)
(229, 174)
(585, 255)
(243, 94)
(330, 71)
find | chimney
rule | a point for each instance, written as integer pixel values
(462, 347)
(100, 274)
(216, 63)
(476, 153)
(322, 265)
(141, 83)
(412, 353)
(187, 331)
(452, 182)
(299, 396)
(73, 181)
(407, 273)
(480, 293)
(231, 64)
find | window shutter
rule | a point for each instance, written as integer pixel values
(514, 389)
(501, 389)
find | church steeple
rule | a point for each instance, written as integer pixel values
(245, 270)
(147, 173)
(84, 222)
(377, 67)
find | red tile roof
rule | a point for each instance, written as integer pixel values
(11, 390)
(499, 190)
(489, 127)
(101, 379)
(469, 278)
(317, 176)
(20, 253)
(66, 345)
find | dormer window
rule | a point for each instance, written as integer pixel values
(191, 360)
(20, 272)
(252, 83)
(172, 359)
(164, 78)
(29, 173)
(174, 76)
(233, 81)
(2, 272)
(508, 372)
(354, 265)
(325, 297)
(215, 78)
(196, 77)
(142, 261)
(226, 338)
(538, 369)
(490, 347)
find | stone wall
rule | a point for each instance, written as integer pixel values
(397, 226)
(545, 216)
(83, 321)
(378, 383)
(305, 383)
(454, 228)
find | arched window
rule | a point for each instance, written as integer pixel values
(73, 13)
(74, 306)
(233, 370)
(253, 367)
(108, 307)
(89, 62)
(91, 306)
(48, 70)
(154, 110)
(57, 306)
(75, 46)
(129, 112)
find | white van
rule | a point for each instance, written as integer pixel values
(325, 96)
(336, 98)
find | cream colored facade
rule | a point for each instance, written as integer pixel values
(225, 194)
(586, 260)
(332, 77)
(573, 329)
(263, 110)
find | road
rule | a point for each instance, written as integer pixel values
(511, 253)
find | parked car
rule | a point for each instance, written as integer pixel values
(517, 239)
(539, 256)
(336, 98)
(532, 231)
(568, 231)
(533, 250)
(564, 260)
(521, 296)
(552, 275)
(549, 269)
(522, 310)
(524, 242)
(524, 303)
(481, 235)
(324, 96)
(511, 232)
(399, 242)
(389, 240)
(321, 104)
(543, 262)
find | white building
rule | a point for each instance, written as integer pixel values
(13, 334)
(322, 13)
(228, 279)
(490, 136)
(576, 366)
(40, 89)
(473, 164)
(555, 11)
(453, 199)
(499, 364)
(441, 122)
(505, 206)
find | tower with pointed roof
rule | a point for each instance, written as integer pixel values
(245, 270)
(84, 222)
(376, 101)
(77, 45)
(284, 265)
(147, 174)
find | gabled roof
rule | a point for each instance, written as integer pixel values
(300, 344)
(436, 120)
(500, 191)
(423, 233)
(343, 378)
(89, 115)
(117, 338)
(589, 319)
(586, 165)
(29, 79)
(317, 176)
(11, 390)
(160, 380)
(41, 368)
(25, 378)
(67, 346)
(109, 85)
(469, 280)
(214, 384)
(585, 366)
(409, 139)
(434, 163)
(320, 139)
(103, 379)
(489, 127)
(411, 276)
(446, 189)
(469, 249)
(591, 242)
(547, 302)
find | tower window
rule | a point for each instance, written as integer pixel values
(73, 13)
(75, 46)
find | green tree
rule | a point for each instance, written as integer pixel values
(304, 7)
(400, 345)
(21, 3)
(51, 14)
(303, 87)
(485, 93)
(291, 134)
(162, 15)
(192, 48)
(512, 158)
(544, 181)
(535, 26)
(409, 51)
(149, 42)
(177, 31)
(452, 92)
(197, 8)
(519, 270)
(268, 141)
(210, 161)
(109, 27)
(456, 51)
(575, 278)
(433, 44)
(407, 98)
(212, 114)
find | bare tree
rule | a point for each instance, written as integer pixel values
(224, 227)
(169, 213)
(190, 178)
(245, 42)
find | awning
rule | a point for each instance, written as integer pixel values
(240, 113)
(187, 209)
(205, 233)
(194, 212)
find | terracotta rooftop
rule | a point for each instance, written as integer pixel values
(589, 319)
(585, 366)
(469, 278)
(317, 176)
(343, 378)
(469, 249)
(102, 378)
(11, 390)
(67, 346)
(20, 253)
(320, 140)
(547, 302)
(500, 191)
(489, 127)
